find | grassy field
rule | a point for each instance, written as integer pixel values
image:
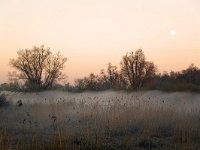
(100, 120)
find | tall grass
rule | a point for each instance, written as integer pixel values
(120, 124)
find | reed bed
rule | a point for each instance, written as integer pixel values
(122, 121)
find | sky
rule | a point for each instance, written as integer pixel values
(92, 33)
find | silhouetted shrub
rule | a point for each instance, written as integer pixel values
(185, 80)
(3, 101)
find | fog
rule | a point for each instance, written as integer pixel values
(186, 101)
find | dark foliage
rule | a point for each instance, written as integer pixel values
(185, 80)
(3, 101)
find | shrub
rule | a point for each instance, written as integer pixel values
(3, 100)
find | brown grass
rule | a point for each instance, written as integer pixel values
(136, 124)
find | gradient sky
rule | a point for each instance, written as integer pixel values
(92, 33)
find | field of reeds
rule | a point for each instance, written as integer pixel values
(100, 120)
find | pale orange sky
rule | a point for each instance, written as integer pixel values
(92, 33)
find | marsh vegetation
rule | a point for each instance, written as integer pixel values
(100, 120)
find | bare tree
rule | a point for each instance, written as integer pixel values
(136, 70)
(38, 67)
(115, 77)
(112, 74)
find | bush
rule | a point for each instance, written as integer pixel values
(3, 100)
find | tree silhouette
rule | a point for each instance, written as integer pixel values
(112, 75)
(38, 67)
(136, 70)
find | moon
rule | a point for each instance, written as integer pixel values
(173, 32)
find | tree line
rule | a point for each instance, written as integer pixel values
(39, 69)
(134, 73)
